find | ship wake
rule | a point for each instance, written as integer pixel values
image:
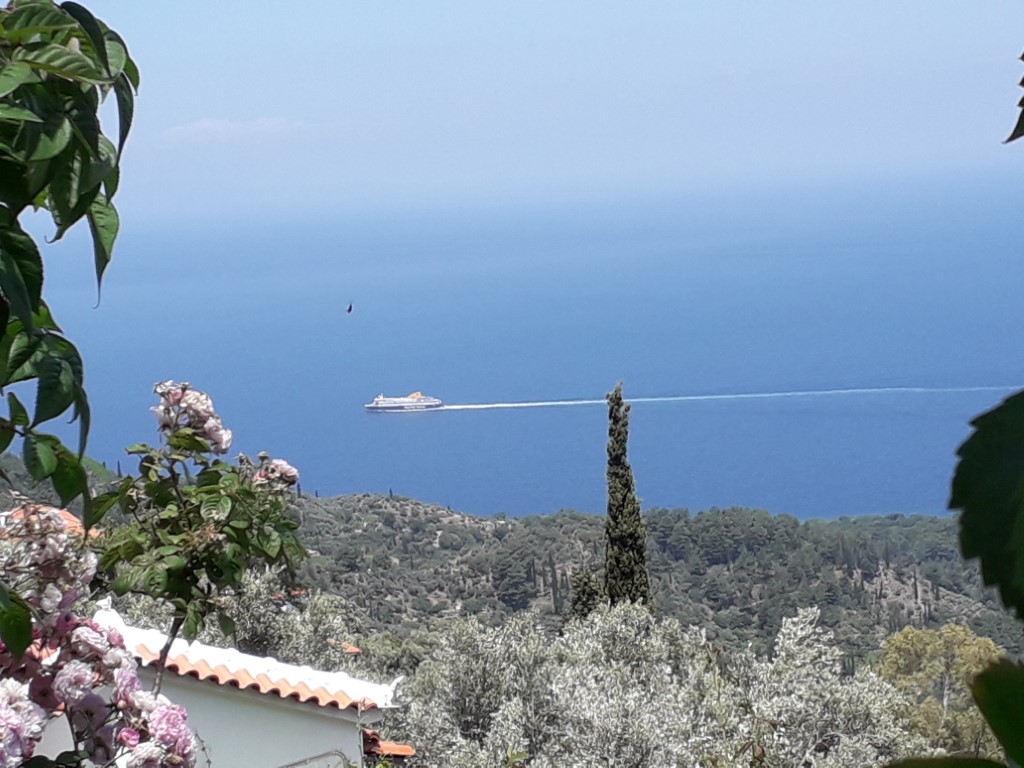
(800, 393)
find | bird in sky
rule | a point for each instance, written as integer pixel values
(349, 310)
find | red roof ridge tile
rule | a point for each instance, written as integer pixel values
(229, 667)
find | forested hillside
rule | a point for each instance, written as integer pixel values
(737, 572)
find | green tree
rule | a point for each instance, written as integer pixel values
(936, 667)
(625, 575)
(587, 594)
(57, 65)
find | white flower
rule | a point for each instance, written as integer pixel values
(147, 755)
(220, 438)
(198, 406)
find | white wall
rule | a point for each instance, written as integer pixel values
(246, 729)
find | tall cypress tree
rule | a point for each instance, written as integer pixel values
(625, 572)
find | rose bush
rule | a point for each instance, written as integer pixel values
(74, 669)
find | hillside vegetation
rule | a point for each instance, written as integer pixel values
(736, 572)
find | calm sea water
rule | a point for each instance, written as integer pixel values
(806, 292)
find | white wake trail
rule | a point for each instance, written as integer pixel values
(738, 396)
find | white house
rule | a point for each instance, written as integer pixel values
(256, 712)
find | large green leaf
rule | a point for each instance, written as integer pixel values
(58, 60)
(56, 385)
(988, 489)
(92, 29)
(70, 193)
(32, 19)
(13, 75)
(999, 693)
(18, 114)
(40, 458)
(24, 354)
(117, 56)
(104, 224)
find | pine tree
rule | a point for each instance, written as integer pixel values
(625, 570)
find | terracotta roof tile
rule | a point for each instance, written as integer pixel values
(228, 667)
(74, 525)
(373, 744)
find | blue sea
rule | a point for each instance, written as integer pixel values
(805, 290)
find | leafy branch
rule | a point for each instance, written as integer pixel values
(58, 64)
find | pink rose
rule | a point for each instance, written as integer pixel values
(74, 682)
(129, 737)
(285, 471)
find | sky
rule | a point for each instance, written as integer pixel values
(286, 156)
(327, 107)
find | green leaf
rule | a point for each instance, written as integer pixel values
(32, 19)
(19, 415)
(1018, 129)
(59, 60)
(104, 224)
(124, 92)
(988, 489)
(50, 138)
(270, 540)
(16, 627)
(194, 619)
(101, 165)
(7, 434)
(83, 415)
(40, 459)
(73, 187)
(23, 356)
(117, 56)
(155, 581)
(55, 390)
(14, 75)
(69, 479)
(16, 289)
(99, 507)
(227, 624)
(18, 114)
(130, 70)
(999, 693)
(92, 28)
(23, 250)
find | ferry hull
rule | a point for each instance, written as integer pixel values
(401, 408)
(417, 401)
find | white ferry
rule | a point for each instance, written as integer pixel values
(416, 401)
